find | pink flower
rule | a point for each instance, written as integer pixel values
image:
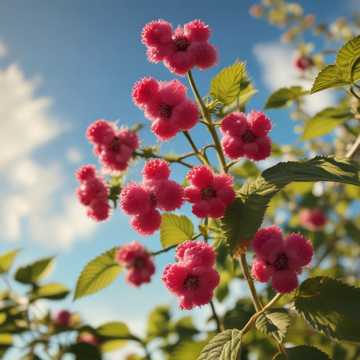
(280, 259)
(166, 106)
(139, 263)
(313, 219)
(62, 318)
(193, 278)
(180, 50)
(157, 192)
(246, 135)
(196, 253)
(209, 193)
(88, 338)
(93, 193)
(114, 147)
(303, 62)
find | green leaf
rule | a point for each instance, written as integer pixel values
(274, 322)
(331, 307)
(34, 272)
(175, 229)
(188, 350)
(245, 215)
(284, 96)
(97, 274)
(325, 121)
(52, 291)
(158, 322)
(6, 260)
(302, 352)
(224, 346)
(328, 77)
(347, 57)
(227, 84)
(239, 103)
(114, 329)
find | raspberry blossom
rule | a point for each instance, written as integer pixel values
(280, 259)
(63, 318)
(139, 263)
(209, 193)
(246, 135)
(193, 278)
(303, 63)
(157, 192)
(166, 106)
(181, 49)
(313, 219)
(88, 338)
(93, 193)
(114, 147)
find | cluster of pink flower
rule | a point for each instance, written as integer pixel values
(93, 193)
(157, 192)
(137, 260)
(280, 259)
(182, 49)
(114, 147)
(166, 105)
(193, 277)
(313, 219)
(246, 135)
(209, 193)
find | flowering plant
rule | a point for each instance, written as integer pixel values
(300, 269)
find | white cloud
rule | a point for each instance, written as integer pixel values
(34, 196)
(277, 68)
(73, 155)
(3, 49)
(26, 122)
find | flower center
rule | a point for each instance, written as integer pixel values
(153, 199)
(181, 43)
(208, 193)
(138, 263)
(191, 283)
(165, 110)
(248, 137)
(115, 144)
(281, 262)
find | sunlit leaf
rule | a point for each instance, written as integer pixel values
(175, 229)
(98, 274)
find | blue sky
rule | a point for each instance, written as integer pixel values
(66, 63)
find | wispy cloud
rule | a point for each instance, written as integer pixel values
(276, 61)
(35, 196)
(3, 49)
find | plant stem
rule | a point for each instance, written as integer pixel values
(209, 123)
(194, 147)
(252, 320)
(219, 326)
(355, 148)
(155, 156)
(249, 279)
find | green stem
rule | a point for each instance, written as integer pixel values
(252, 320)
(219, 326)
(209, 123)
(194, 147)
(354, 149)
(245, 269)
(155, 156)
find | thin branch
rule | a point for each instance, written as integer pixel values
(209, 123)
(219, 326)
